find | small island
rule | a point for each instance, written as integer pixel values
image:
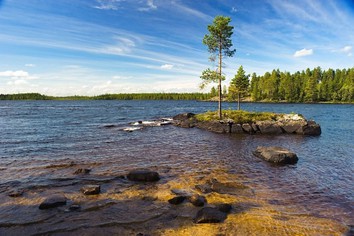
(244, 122)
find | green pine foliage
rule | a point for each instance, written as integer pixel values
(307, 86)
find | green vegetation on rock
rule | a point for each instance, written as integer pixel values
(237, 116)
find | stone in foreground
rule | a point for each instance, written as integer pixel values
(91, 189)
(177, 200)
(143, 176)
(209, 215)
(53, 201)
(277, 155)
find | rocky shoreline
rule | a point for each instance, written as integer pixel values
(284, 124)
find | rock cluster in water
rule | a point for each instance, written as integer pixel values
(286, 124)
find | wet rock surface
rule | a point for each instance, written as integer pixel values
(53, 201)
(91, 189)
(276, 155)
(209, 215)
(177, 200)
(143, 176)
(197, 200)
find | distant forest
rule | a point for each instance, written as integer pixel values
(314, 85)
(306, 86)
(122, 96)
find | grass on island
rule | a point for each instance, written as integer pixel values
(238, 116)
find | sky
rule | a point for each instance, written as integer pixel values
(93, 47)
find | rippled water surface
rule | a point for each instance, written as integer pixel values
(43, 142)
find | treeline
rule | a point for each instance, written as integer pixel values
(24, 96)
(154, 96)
(315, 85)
(122, 96)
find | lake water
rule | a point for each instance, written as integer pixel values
(43, 142)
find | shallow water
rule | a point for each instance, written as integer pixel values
(44, 142)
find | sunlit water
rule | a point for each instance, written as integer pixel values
(43, 142)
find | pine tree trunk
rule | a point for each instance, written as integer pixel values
(220, 93)
(238, 101)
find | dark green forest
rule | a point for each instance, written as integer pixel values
(315, 85)
(122, 96)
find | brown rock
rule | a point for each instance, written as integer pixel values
(53, 201)
(277, 155)
(91, 189)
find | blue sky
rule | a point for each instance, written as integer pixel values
(92, 47)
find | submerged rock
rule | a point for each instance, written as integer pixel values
(277, 155)
(91, 189)
(177, 200)
(225, 207)
(82, 171)
(53, 201)
(209, 215)
(197, 200)
(143, 176)
(15, 193)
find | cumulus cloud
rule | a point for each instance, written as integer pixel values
(166, 67)
(150, 6)
(347, 50)
(303, 52)
(10, 73)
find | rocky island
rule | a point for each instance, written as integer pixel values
(241, 122)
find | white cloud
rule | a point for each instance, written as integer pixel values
(17, 82)
(303, 52)
(108, 4)
(10, 73)
(346, 49)
(166, 67)
(30, 65)
(150, 6)
(234, 9)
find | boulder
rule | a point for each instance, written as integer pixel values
(197, 200)
(311, 128)
(236, 129)
(247, 128)
(269, 127)
(53, 201)
(214, 126)
(91, 189)
(209, 215)
(290, 127)
(183, 116)
(277, 155)
(143, 176)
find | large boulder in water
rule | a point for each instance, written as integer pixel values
(277, 155)
(143, 176)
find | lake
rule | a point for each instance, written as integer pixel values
(44, 142)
